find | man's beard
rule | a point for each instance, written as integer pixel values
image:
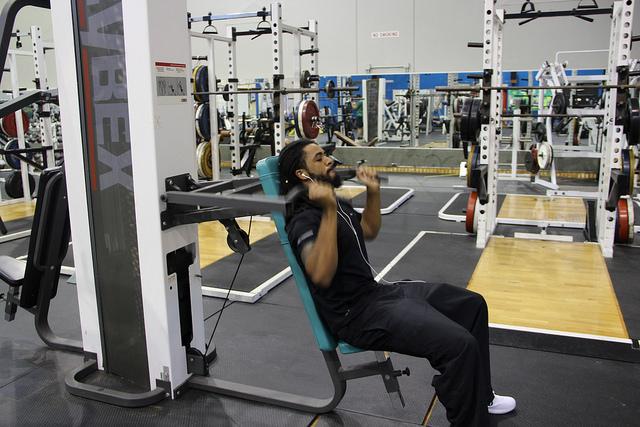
(335, 181)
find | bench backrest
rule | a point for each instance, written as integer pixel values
(50, 235)
(269, 178)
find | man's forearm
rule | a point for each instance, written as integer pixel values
(321, 260)
(371, 219)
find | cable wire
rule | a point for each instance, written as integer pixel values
(226, 298)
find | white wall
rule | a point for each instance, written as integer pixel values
(433, 35)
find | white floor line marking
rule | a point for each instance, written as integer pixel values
(560, 333)
(448, 233)
(400, 255)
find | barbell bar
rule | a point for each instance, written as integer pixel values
(507, 115)
(481, 88)
(329, 89)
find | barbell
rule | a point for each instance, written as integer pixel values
(507, 88)
(330, 89)
(474, 111)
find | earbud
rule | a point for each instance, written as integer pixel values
(308, 177)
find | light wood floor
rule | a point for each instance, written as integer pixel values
(213, 238)
(548, 285)
(350, 191)
(17, 210)
(543, 208)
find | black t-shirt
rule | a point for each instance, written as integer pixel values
(353, 281)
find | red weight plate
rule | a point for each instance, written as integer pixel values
(308, 119)
(622, 222)
(8, 124)
(470, 222)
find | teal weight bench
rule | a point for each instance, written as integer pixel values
(327, 343)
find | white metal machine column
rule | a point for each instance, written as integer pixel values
(128, 117)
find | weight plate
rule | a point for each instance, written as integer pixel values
(8, 124)
(628, 172)
(13, 185)
(307, 120)
(545, 155)
(12, 160)
(531, 160)
(203, 160)
(632, 128)
(471, 217)
(475, 119)
(559, 103)
(202, 82)
(194, 79)
(329, 89)
(305, 79)
(625, 221)
(198, 155)
(206, 160)
(203, 123)
(539, 131)
(226, 96)
(473, 160)
(464, 118)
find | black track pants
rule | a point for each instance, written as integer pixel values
(445, 324)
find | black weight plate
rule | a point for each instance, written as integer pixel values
(202, 82)
(203, 122)
(13, 185)
(305, 79)
(12, 160)
(633, 126)
(628, 172)
(464, 119)
(559, 103)
(473, 160)
(539, 131)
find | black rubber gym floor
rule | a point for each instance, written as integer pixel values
(253, 272)
(270, 344)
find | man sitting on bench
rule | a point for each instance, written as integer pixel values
(446, 324)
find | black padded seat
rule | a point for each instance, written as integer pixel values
(11, 270)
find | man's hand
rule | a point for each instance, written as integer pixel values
(323, 194)
(369, 178)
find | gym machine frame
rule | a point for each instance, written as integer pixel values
(491, 89)
(138, 277)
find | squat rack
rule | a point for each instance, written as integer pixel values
(490, 129)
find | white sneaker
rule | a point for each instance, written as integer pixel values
(501, 404)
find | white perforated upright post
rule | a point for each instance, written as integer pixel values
(619, 56)
(232, 107)
(213, 110)
(414, 88)
(490, 133)
(277, 69)
(297, 67)
(15, 92)
(313, 60)
(515, 143)
(42, 82)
